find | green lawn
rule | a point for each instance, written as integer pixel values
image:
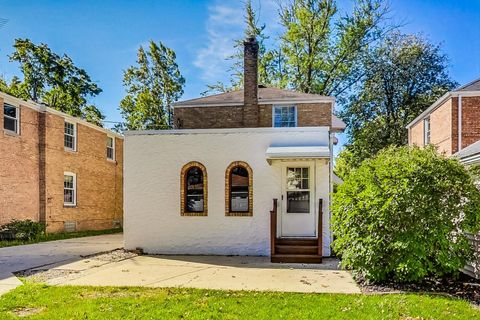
(59, 236)
(45, 302)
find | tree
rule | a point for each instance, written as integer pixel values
(404, 76)
(319, 50)
(52, 79)
(152, 86)
(402, 215)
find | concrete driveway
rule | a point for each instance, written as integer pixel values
(208, 272)
(18, 258)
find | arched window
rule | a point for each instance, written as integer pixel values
(193, 193)
(239, 189)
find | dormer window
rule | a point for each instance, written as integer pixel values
(284, 116)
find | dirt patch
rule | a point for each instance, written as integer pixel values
(464, 287)
(113, 256)
(26, 312)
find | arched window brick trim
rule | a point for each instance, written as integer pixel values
(183, 190)
(248, 213)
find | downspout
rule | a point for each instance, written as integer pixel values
(459, 123)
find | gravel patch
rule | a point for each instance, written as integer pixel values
(112, 256)
(38, 276)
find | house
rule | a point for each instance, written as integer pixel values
(470, 156)
(58, 169)
(247, 172)
(451, 123)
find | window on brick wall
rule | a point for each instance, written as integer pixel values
(284, 116)
(426, 131)
(69, 189)
(110, 148)
(11, 116)
(70, 137)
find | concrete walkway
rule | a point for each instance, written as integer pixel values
(210, 272)
(18, 258)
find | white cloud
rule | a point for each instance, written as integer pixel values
(225, 24)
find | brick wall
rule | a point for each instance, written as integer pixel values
(308, 115)
(470, 120)
(19, 193)
(99, 181)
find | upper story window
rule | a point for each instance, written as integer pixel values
(11, 116)
(238, 184)
(193, 189)
(284, 116)
(426, 131)
(70, 140)
(69, 189)
(110, 148)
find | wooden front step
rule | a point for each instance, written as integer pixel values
(296, 242)
(296, 258)
(296, 249)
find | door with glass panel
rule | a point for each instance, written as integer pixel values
(298, 204)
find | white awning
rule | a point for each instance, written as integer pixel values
(309, 152)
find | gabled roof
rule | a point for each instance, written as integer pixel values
(469, 151)
(265, 96)
(472, 86)
(471, 89)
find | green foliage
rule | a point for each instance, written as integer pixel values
(24, 229)
(152, 85)
(319, 49)
(402, 215)
(404, 76)
(52, 79)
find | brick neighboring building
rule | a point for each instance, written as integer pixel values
(452, 123)
(58, 169)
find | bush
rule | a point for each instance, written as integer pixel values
(24, 229)
(401, 216)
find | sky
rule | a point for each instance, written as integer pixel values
(102, 37)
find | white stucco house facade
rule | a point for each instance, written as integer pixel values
(246, 172)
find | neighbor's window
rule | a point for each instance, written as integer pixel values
(194, 190)
(11, 116)
(110, 148)
(426, 133)
(238, 179)
(69, 189)
(284, 116)
(70, 139)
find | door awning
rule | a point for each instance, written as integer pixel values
(308, 152)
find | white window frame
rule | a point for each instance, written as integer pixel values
(274, 107)
(113, 148)
(74, 136)
(74, 189)
(427, 133)
(16, 119)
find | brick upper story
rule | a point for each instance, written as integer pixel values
(451, 123)
(227, 110)
(34, 159)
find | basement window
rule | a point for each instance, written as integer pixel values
(110, 148)
(69, 189)
(70, 137)
(284, 116)
(11, 116)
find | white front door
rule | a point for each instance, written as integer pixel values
(298, 214)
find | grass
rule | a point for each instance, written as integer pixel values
(58, 236)
(39, 301)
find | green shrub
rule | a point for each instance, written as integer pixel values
(401, 216)
(24, 229)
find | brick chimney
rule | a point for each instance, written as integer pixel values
(250, 83)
